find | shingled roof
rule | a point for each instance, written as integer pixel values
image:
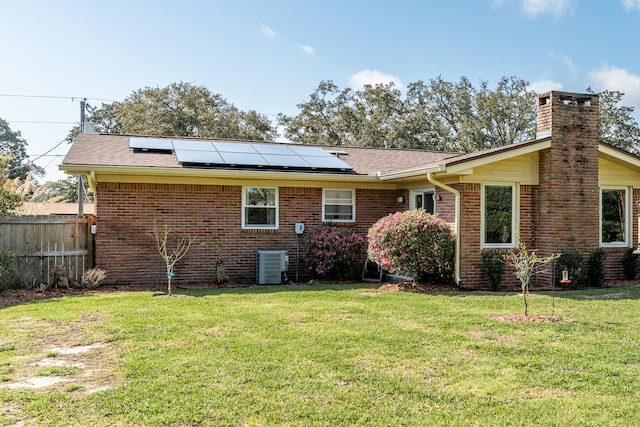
(95, 151)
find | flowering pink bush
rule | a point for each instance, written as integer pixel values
(414, 243)
(331, 251)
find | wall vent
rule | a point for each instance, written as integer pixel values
(271, 267)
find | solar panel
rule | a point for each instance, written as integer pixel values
(150, 143)
(286, 161)
(324, 162)
(245, 159)
(198, 156)
(181, 144)
(273, 149)
(309, 151)
(233, 147)
(229, 153)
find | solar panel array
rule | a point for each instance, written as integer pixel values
(229, 153)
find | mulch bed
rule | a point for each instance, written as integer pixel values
(13, 297)
(426, 288)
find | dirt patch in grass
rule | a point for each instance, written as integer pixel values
(532, 318)
(87, 366)
(173, 296)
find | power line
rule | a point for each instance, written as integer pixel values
(73, 98)
(54, 147)
(45, 155)
(41, 122)
(49, 163)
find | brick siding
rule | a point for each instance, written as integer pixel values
(126, 211)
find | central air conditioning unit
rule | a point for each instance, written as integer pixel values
(272, 267)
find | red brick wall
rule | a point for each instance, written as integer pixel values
(470, 252)
(470, 245)
(567, 198)
(125, 211)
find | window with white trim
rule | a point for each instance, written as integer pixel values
(260, 207)
(424, 199)
(614, 217)
(338, 205)
(499, 209)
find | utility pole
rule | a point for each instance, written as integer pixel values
(83, 104)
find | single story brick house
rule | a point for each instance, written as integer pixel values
(562, 190)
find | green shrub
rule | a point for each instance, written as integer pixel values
(492, 268)
(573, 261)
(332, 251)
(630, 264)
(8, 272)
(596, 268)
(415, 243)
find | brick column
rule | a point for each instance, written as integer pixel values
(567, 200)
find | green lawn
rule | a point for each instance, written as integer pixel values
(322, 355)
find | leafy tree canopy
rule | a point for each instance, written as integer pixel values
(617, 125)
(65, 190)
(180, 109)
(438, 115)
(13, 149)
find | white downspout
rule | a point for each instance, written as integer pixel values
(456, 193)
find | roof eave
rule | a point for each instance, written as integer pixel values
(77, 169)
(618, 155)
(509, 151)
(410, 173)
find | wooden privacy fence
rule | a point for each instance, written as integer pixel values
(40, 243)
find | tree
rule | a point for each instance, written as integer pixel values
(170, 254)
(180, 109)
(10, 197)
(14, 149)
(526, 264)
(438, 115)
(505, 115)
(65, 189)
(617, 125)
(316, 123)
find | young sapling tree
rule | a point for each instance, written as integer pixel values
(526, 264)
(160, 235)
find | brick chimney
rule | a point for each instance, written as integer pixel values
(567, 197)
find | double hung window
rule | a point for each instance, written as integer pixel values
(260, 207)
(338, 205)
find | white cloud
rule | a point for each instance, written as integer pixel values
(307, 49)
(534, 8)
(614, 78)
(268, 32)
(543, 86)
(372, 77)
(497, 4)
(566, 61)
(631, 4)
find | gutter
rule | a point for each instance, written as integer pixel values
(456, 193)
(79, 169)
(409, 173)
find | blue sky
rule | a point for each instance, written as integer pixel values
(270, 55)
